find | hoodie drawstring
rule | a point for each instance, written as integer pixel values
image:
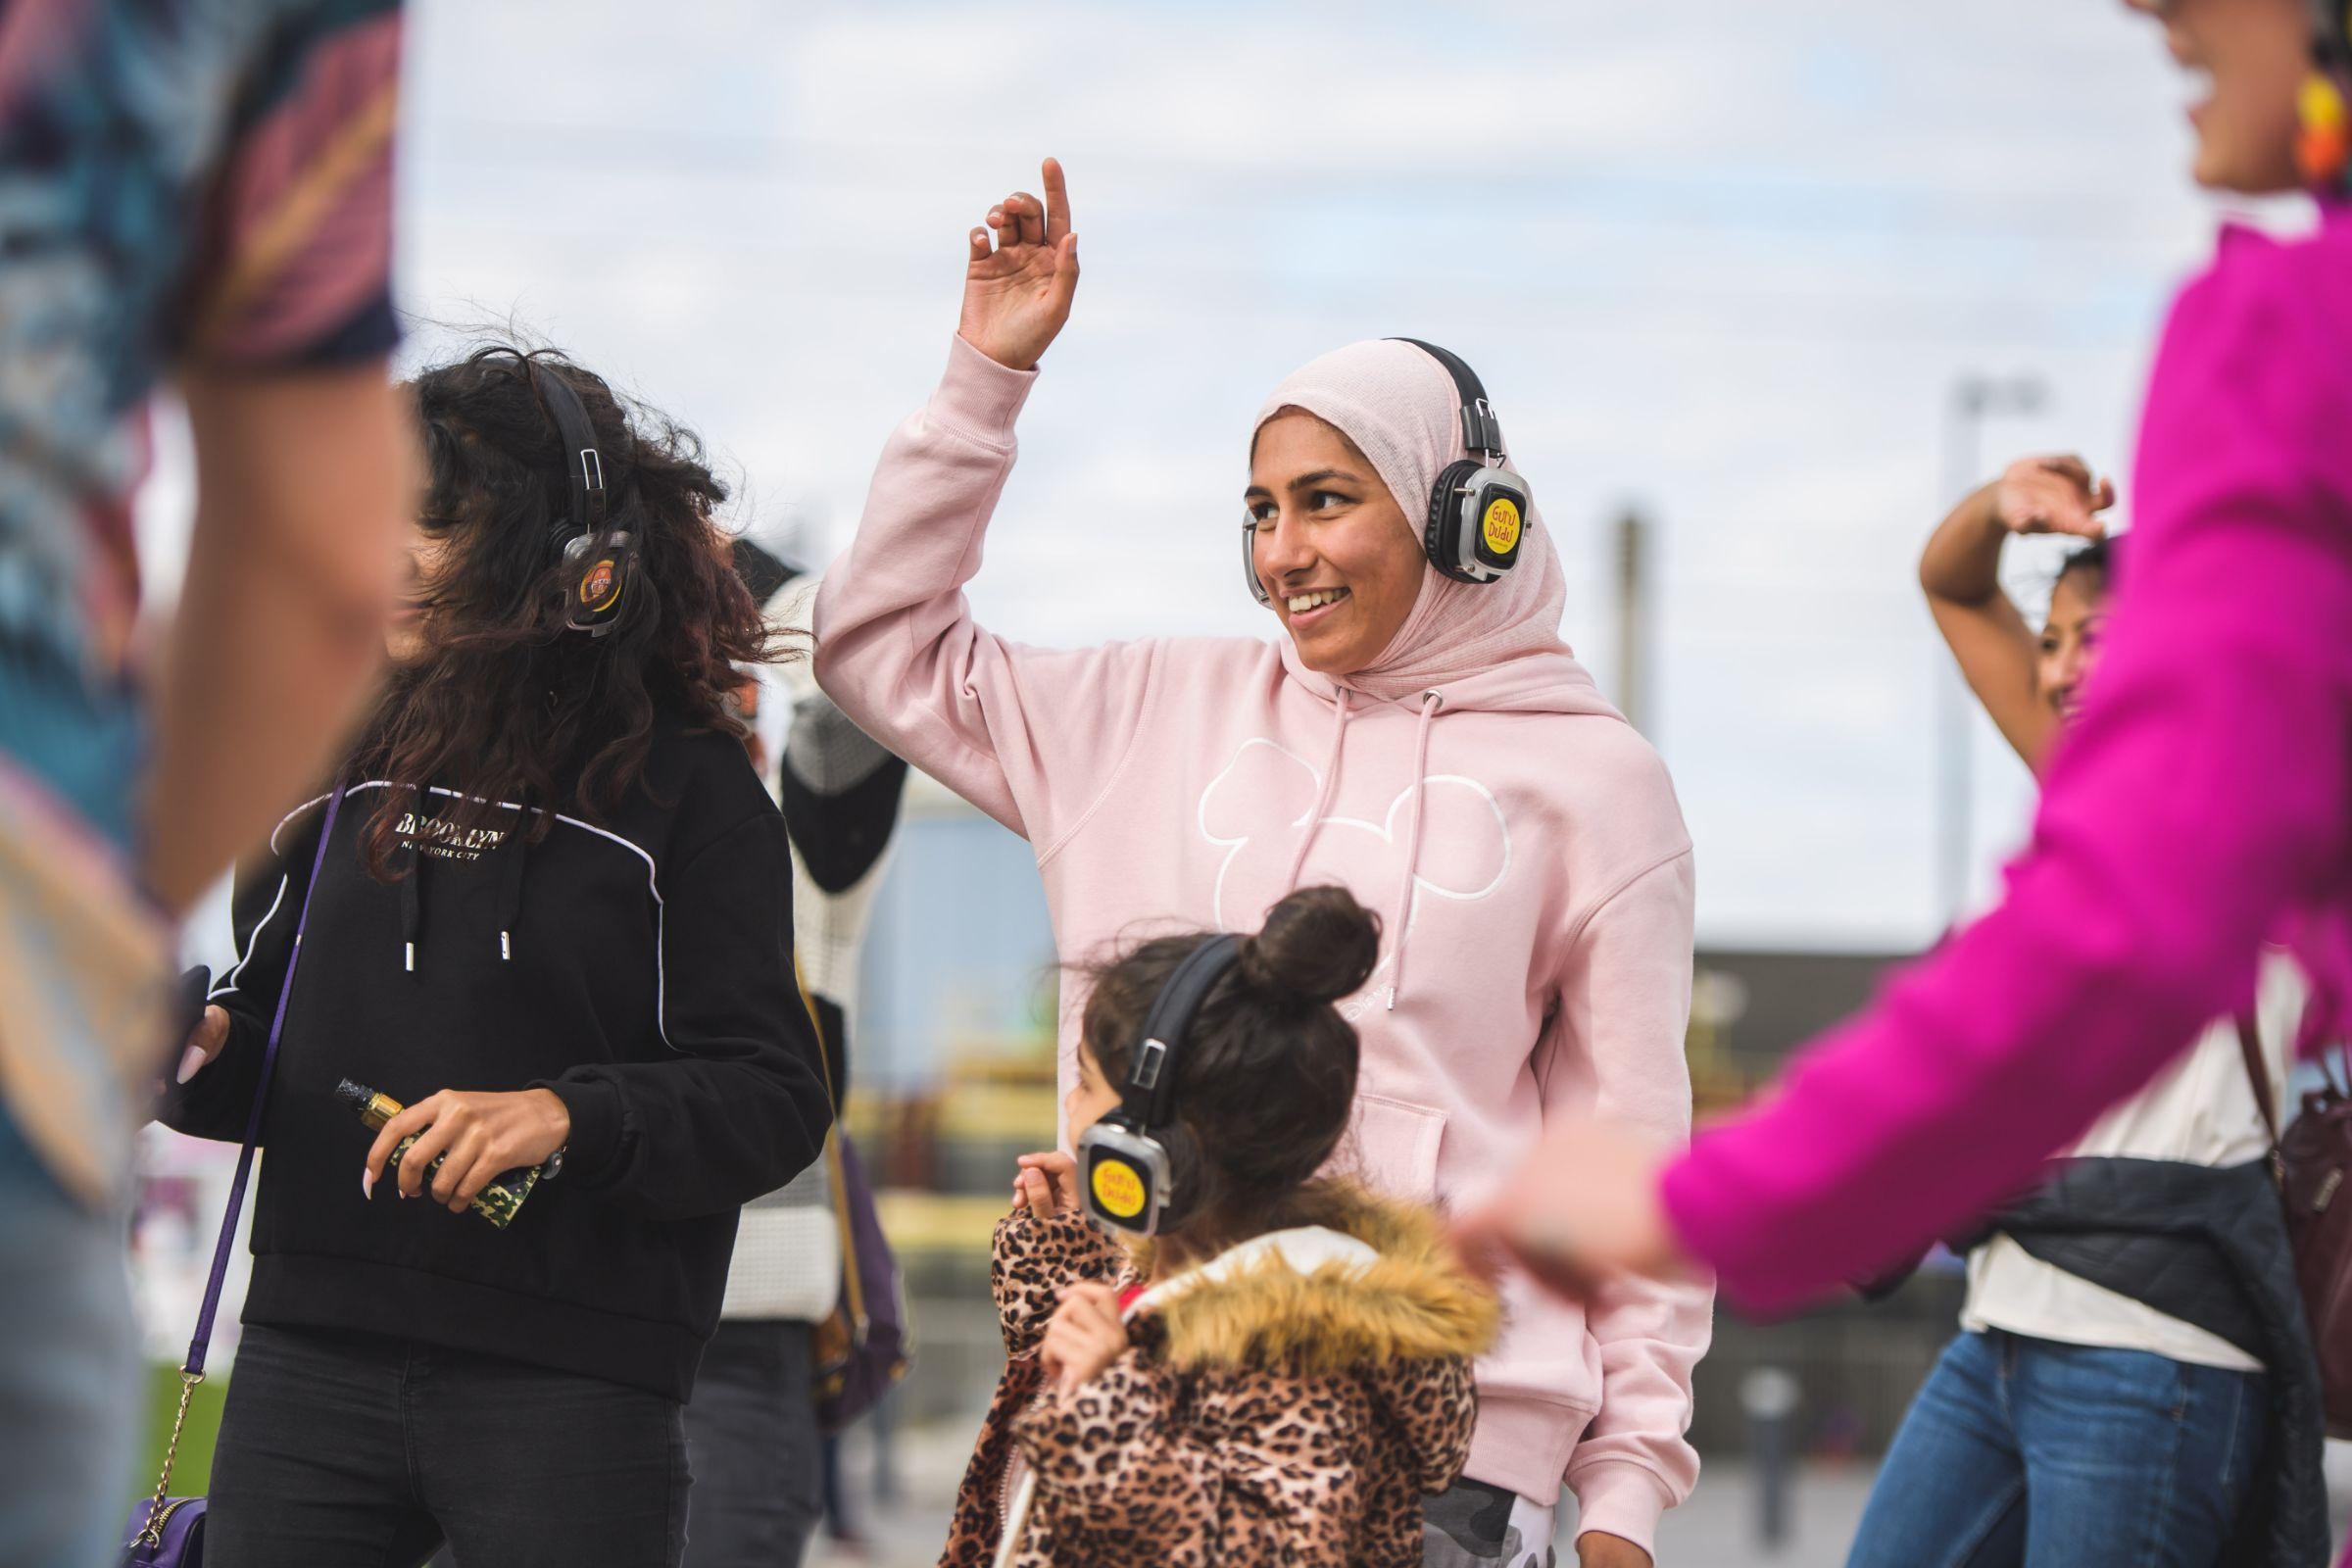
(1431, 702)
(1330, 781)
(411, 907)
(513, 861)
(510, 864)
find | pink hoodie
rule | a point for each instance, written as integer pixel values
(1192, 782)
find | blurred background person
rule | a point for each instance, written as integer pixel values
(754, 1438)
(198, 196)
(2131, 1356)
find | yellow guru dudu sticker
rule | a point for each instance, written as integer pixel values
(1501, 525)
(1118, 1189)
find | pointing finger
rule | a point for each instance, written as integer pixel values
(1057, 201)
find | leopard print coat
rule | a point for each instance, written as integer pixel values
(1263, 1415)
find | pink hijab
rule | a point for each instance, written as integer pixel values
(1401, 407)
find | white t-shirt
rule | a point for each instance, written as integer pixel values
(2202, 1111)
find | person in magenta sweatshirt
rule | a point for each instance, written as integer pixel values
(1430, 744)
(2200, 804)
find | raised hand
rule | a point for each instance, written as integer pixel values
(1046, 1184)
(1017, 287)
(2052, 494)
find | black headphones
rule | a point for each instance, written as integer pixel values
(605, 558)
(1124, 1164)
(1478, 510)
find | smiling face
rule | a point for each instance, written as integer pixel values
(2254, 55)
(1329, 543)
(2071, 638)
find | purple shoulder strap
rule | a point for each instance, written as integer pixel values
(202, 1343)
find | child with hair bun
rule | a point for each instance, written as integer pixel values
(1282, 1372)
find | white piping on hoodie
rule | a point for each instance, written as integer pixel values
(660, 911)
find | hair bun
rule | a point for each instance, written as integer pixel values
(1318, 945)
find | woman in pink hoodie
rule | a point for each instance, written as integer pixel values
(2200, 804)
(1430, 744)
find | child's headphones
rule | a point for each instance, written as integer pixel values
(2324, 148)
(1123, 1167)
(605, 558)
(1478, 510)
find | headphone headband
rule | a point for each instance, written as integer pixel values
(1482, 431)
(1149, 1100)
(599, 561)
(583, 464)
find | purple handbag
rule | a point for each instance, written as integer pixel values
(864, 1349)
(164, 1531)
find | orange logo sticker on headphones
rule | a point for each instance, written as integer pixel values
(1501, 525)
(1118, 1189)
(600, 588)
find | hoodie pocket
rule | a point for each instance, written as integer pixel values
(1393, 1147)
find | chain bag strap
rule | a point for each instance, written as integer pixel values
(191, 1370)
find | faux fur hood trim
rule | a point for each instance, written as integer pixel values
(1413, 1302)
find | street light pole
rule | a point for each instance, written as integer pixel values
(1974, 398)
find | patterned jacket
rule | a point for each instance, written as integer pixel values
(1289, 1401)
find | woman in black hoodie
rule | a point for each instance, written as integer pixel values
(553, 919)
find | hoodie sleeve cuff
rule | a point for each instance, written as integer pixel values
(594, 1111)
(1621, 1498)
(980, 396)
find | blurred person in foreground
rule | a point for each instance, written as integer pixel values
(198, 195)
(553, 919)
(2200, 805)
(2133, 1361)
(1424, 739)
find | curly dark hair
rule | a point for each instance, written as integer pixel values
(503, 703)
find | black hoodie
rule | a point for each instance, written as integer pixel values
(639, 966)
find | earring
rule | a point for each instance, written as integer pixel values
(2324, 148)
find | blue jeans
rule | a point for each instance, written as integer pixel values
(2026, 1454)
(69, 1371)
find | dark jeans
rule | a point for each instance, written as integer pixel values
(751, 1436)
(2023, 1452)
(367, 1453)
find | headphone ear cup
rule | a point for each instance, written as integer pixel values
(1258, 589)
(597, 581)
(1442, 535)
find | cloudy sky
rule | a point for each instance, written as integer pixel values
(1720, 262)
